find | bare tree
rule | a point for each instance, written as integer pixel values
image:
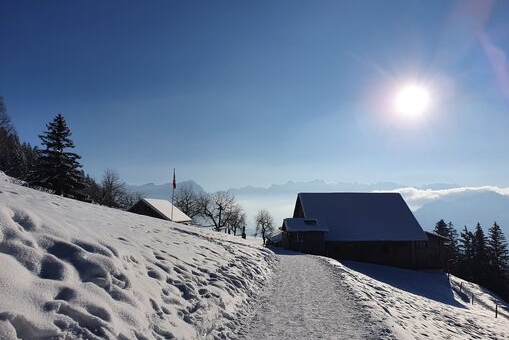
(129, 199)
(112, 189)
(264, 224)
(187, 200)
(235, 219)
(216, 207)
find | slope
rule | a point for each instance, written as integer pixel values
(72, 270)
(426, 305)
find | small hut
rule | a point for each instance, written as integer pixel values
(160, 209)
(304, 234)
(274, 238)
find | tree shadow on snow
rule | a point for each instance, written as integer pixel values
(431, 285)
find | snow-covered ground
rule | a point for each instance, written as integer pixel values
(425, 305)
(307, 299)
(313, 297)
(72, 270)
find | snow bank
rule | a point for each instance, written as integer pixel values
(72, 270)
(426, 305)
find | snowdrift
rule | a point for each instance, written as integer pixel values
(72, 270)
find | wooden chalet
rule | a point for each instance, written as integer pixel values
(160, 209)
(369, 227)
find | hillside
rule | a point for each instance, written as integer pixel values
(425, 305)
(72, 270)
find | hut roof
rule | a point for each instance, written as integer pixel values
(164, 207)
(361, 216)
(275, 236)
(304, 224)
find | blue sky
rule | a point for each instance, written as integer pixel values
(235, 93)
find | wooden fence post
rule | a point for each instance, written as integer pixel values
(472, 298)
(496, 310)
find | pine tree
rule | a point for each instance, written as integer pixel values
(466, 254)
(10, 156)
(480, 267)
(453, 240)
(498, 254)
(56, 168)
(451, 245)
(441, 228)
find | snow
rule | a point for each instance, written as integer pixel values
(362, 216)
(425, 305)
(165, 208)
(304, 224)
(307, 299)
(276, 236)
(73, 270)
(314, 297)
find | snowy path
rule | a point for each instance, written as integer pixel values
(307, 300)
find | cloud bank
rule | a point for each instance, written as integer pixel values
(416, 198)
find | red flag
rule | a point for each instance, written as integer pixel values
(174, 180)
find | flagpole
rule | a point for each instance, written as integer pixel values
(173, 193)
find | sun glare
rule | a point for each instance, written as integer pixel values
(412, 100)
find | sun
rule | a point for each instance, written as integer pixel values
(412, 100)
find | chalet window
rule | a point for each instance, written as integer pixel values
(310, 222)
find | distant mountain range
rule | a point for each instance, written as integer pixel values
(463, 206)
(152, 190)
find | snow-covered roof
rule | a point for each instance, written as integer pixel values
(164, 208)
(429, 233)
(275, 236)
(361, 216)
(304, 224)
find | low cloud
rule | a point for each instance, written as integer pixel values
(416, 198)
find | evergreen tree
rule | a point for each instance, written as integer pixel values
(9, 144)
(498, 254)
(56, 168)
(480, 267)
(451, 245)
(28, 156)
(453, 241)
(92, 190)
(466, 254)
(441, 228)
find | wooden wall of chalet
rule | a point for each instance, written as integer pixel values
(430, 254)
(389, 253)
(310, 242)
(403, 254)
